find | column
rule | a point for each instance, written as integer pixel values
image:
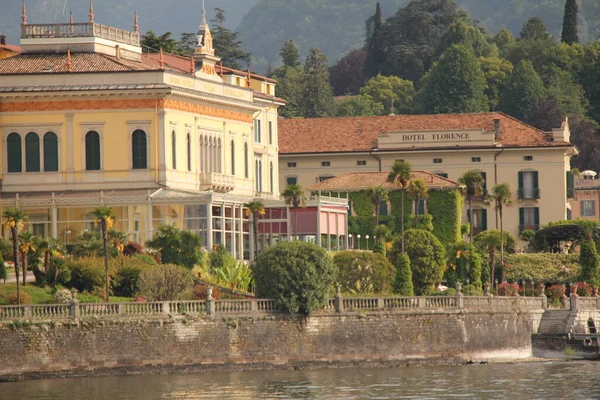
(149, 216)
(319, 223)
(233, 233)
(70, 166)
(54, 212)
(162, 175)
(241, 234)
(209, 241)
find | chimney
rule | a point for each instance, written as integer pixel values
(2, 39)
(496, 129)
(118, 51)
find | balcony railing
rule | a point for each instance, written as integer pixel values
(526, 194)
(86, 29)
(218, 182)
(529, 227)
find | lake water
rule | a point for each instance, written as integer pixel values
(552, 380)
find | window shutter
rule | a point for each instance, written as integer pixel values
(484, 220)
(521, 215)
(521, 181)
(570, 180)
(536, 184)
(421, 207)
(536, 216)
(469, 216)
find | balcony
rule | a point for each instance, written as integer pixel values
(529, 227)
(529, 194)
(217, 182)
(482, 196)
(87, 29)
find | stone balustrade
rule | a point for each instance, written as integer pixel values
(86, 29)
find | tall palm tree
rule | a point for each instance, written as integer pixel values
(255, 208)
(417, 190)
(294, 196)
(117, 239)
(27, 243)
(105, 218)
(500, 196)
(377, 194)
(14, 220)
(50, 247)
(400, 175)
(473, 186)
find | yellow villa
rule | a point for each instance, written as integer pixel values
(534, 163)
(87, 118)
(7, 50)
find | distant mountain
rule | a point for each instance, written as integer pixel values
(158, 15)
(335, 26)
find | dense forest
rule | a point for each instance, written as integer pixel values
(430, 57)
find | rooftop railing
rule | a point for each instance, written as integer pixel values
(86, 29)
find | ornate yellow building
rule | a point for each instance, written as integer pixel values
(87, 118)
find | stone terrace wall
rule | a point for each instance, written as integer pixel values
(98, 346)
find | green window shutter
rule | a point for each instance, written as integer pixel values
(443, 175)
(13, 152)
(569, 215)
(32, 152)
(139, 149)
(521, 216)
(484, 220)
(92, 151)
(520, 180)
(570, 180)
(421, 207)
(536, 216)
(469, 216)
(536, 183)
(50, 152)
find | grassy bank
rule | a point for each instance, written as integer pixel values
(40, 295)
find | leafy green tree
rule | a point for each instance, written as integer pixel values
(90, 245)
(395, 95)
(562, 89)
(417, 191)
(377, 195)
(455, 84)
(317, 93)
(226, 43)
(403, 284)
(500, 197)
(496, 71)
(523, 91)
(358, 106)
(290, 54)
(3, 271)
(588, 75)
(187, 44)
(381, 233)
(534, 29)
(176, 246)
(487, 242)
(362, 273)
(153, 44)
(291, 81)
(374, 43)
(255, 208)
(427, 259)
(468, 36)
(589, 261)
(165, 283)
(348, 75)
(464, 262)
(105, 217)
(503, 40)
(569, 28)
(473, 186)
(14, 220)
(400, 175)
(298, 275)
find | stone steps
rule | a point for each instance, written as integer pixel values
(555, 322)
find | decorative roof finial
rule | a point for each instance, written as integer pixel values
(23, 14)
(91, 12)
(71, 28)
(203, 14)
(69, 62)
(136, 26)
(161, 60)
(193, 66)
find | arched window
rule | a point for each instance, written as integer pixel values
(232, 157)
(92, 151)
(246, 166)
(32, 152)
(50, 152)
(188, 143)
(13, 152)
(174, 149)
(271, 178)
(139, 148)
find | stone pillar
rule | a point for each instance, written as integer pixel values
(54, 223)
(339, 302)
(74, 311)
(574, 297)
(486, 289)
(210, 302)
(459, 296)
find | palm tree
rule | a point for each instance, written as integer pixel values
(294, 196)
(501, 196)
(400, 175)
(27, 243)
(117, 239)
(105, 218)
(473, 186)
(377, 194)
(14, 220)
(255, 208)
(50, 247)
(417, 190)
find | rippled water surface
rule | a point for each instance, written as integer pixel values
(578, 380)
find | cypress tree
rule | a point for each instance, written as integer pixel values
(455, 84)
(317, 93)
(374, 44)
(290, 55)
(569, 28)
(523, 91)
(403, 284)
(589, 261)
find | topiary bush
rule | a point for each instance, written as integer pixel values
(403, 285)
(544, 267)
(364, 272)
(87, 274)
(298, 275)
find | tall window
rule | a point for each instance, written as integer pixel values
(92, 151)
(232, 157)
(271, 181)
(188, 143)
(174, 149)
(139, 149)
(257, 131)
(529, 185)
(50, 152)
(270, 132)
(529, 218)
(32, 152)
(478, 219)
(588, 208)
(246, 166)
(13, 152)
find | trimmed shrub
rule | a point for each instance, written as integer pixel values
(165, 283)
(298, 275)
(62, 296)
(25, 299)
(87, 274)
(403, 285)
(364, 272)
(176, 246)
(125, 274)
(546, 267)
(589, 261)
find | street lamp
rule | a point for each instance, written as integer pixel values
(66, 233)
(358, 236)
(351, 242)
(367, 241)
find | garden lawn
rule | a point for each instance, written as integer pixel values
(40, 295)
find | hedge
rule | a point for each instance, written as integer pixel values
(544, 267)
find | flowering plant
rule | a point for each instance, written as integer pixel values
(508, 289)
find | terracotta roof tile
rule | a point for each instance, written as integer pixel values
(352, 134)
(357, 181)
(10, 47)
(57, 63)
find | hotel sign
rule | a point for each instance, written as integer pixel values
(435, 137)
(450, 138)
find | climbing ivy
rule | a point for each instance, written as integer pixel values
(445, 206)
